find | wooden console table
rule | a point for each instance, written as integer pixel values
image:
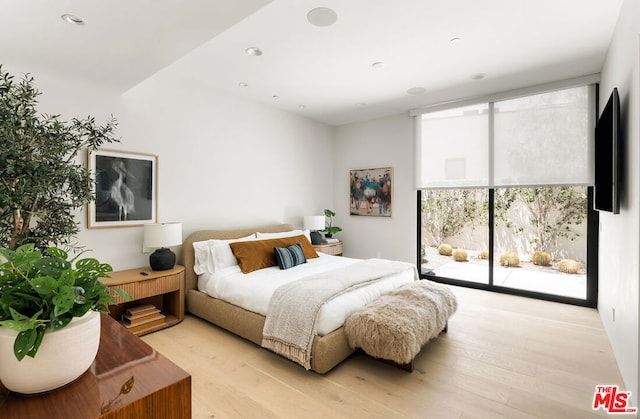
(128, 379)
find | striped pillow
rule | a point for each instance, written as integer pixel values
(288, 257)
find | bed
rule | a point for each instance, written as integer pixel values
(328, 348)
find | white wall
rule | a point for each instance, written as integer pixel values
(67, 98)
(619, 247)
(224, 162)
(382, 142)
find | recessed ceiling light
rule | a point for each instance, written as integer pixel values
(302, 107)
(478, 76)
(254, 51)
(377, 65)
(360, 105)
(275, 97)
(74, 20)
(417, 91)
(455, 40)
(243, 84)
(322, 16)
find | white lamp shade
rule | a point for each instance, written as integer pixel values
(314, 222)
(162, 235)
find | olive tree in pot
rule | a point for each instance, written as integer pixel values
(41, 182)
(42, 292)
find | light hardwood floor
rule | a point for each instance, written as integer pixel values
(504, 357)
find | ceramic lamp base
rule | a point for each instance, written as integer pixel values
(162, 259)
(316, 238)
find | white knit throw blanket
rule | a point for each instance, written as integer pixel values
(292, 314)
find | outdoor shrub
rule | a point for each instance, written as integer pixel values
(445, 213)
(445, 249)
(509, 259)
(460, 255)
(541, 258)
(568, 266)
(484, 254)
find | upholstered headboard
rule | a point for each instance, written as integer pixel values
(188, 254)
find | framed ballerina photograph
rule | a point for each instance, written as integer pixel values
(125, 187)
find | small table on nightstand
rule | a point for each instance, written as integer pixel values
(163, 289)
(329, 248)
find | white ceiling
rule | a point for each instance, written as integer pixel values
(513, 43)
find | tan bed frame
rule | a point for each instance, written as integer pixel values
(327, 351)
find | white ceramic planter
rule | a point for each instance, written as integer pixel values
(63, 356)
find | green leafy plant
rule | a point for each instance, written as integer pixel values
(446, 213)
(41, 181)
(553, 212)
(40, 292)
(330, 229)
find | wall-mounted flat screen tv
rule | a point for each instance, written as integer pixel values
(607, 157)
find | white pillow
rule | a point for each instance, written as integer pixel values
(213, 255)
(292, 233)
(223, 256)
(203, 261)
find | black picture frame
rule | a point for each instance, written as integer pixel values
(125, 187)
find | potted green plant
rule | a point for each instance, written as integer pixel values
(41, 296)
(330, 229)
(46, 300)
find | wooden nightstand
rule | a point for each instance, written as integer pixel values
(163, 289)
(329, 248)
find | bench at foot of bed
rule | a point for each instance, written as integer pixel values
(395, 326)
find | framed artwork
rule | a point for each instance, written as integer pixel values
(370, 191)
(125, 186)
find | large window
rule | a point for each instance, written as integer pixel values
(505, 191)
(537, 140)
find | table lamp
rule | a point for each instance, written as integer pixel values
(160, 236)
(313, 223)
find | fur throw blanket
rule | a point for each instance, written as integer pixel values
(396, 325)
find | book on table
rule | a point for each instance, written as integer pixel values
(158, 320)
(140, 311)
(142, 317)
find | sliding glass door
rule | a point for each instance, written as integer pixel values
(530, 241)
(540, 240)
(504, 197)
(455, 234)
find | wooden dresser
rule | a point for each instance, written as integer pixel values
(128, 379)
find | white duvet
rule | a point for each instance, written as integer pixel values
(253, 291)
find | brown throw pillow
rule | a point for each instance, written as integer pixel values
(259, 254)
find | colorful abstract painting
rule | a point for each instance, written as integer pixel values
(370, 191)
